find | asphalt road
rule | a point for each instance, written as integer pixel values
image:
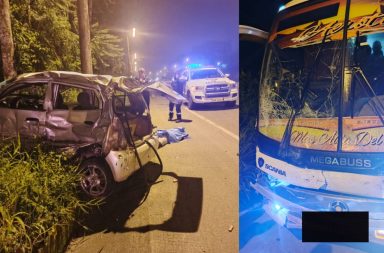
(192, 207)
(260, 234)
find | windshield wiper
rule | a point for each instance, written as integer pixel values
(283, 148)
(376, 104)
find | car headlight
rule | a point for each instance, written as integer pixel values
(197, 88)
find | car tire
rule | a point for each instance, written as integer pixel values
(96, 179)
(191, 104)
(231, 104)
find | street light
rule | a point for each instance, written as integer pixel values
(135, 56)
(133, 32)
(218, 63)
(187, 59)
(175, 66)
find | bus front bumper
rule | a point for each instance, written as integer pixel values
(285, 204)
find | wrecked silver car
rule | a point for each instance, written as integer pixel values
(102, 120)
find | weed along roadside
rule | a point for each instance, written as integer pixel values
(39, 200)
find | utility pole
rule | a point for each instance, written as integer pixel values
(85, 36)
(129, 68)
(6, 41)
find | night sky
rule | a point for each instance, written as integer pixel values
(259, 13)
(206, 31)
(169, 31)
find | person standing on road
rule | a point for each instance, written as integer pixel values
(143, 80)
(176, 86)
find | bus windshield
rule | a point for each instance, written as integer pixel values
(287, 70)
(304, 90)
(284, 76)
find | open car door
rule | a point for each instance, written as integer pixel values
(166, 91)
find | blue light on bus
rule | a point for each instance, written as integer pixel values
(277, 207)
(275, 182)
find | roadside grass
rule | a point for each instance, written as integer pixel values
(38, 192)
(247, 160)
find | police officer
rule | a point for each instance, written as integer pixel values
(178, 87)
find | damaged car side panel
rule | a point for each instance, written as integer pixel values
(91, 117)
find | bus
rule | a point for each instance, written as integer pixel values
(320, 125)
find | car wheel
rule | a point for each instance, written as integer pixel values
(191, 104)
(96, 178)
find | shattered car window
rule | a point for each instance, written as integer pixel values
(132, 110)
(131, 103)
(69, 97)
(26, 97)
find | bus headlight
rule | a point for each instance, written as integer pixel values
(379, 234)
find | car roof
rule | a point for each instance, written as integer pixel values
(123, 82)
(66, 75)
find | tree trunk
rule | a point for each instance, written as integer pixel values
(6, 41)
(85, 36)
(90, 9)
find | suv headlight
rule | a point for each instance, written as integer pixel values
(233, 85)
(197, 88)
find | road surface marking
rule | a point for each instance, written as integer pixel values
(236, 137)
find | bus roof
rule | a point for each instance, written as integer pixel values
(294, 2)
(310, 21)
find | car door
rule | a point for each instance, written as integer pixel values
(23, 110)
(75, 110)
(164, 90)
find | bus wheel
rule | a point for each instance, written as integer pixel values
(191, 104)
(96, 178)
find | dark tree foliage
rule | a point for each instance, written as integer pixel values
(43, 36)
(46, 37)
(107, 45)
(107, 54)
